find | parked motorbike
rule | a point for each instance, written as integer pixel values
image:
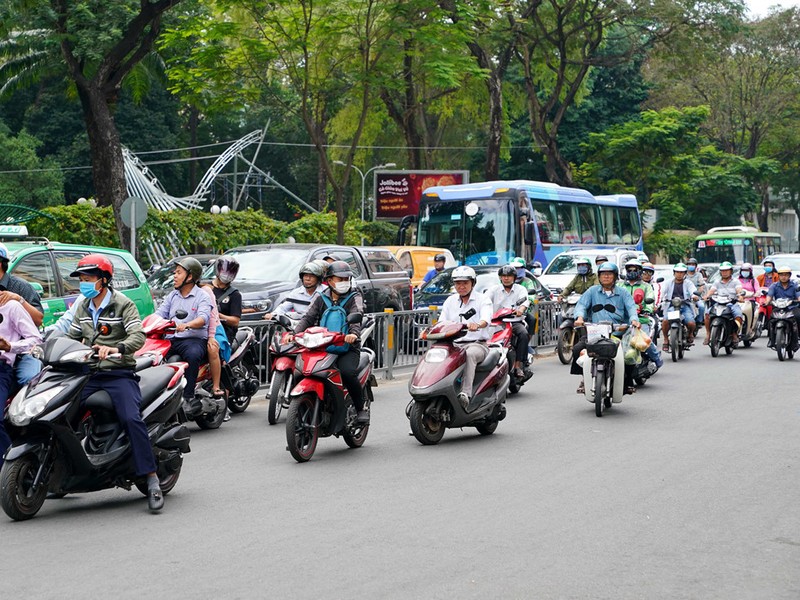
(763, 312)
(603, 366)
(505, 319)
(283, 352)
(783, 328)
(566, 330)
(319, 403)
(62, 445)
(723, 324)
(678, 332)
(435, 384)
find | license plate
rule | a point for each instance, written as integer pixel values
(673, 315)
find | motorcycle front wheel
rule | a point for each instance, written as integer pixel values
(713, 344)
(302, 433)
(19, 500)
(426, 429)
(759, 325)
(599, 393)
(780, 344)
(565, 346)
(278, 392)
(673, 344)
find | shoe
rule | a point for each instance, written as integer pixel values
(527, 373)
(519, 373)
(659, 362)
(463, 400)
(631, 389)
(363, 417)
(735, 339)
(155, 499)
(227, 416)
(581, 389)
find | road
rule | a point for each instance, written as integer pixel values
(686, 490)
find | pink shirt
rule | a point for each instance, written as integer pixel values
(214, 321)
(18, 330)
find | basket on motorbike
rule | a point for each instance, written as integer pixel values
(599, 342)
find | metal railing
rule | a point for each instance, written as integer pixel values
(396, 339)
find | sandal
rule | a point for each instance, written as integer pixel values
(581, 389)
(665, 348)
(705, 342)
(218, 394)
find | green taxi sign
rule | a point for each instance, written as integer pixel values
(15, 231)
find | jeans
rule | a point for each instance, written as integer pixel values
(27, 368)
(6, 387)
(193, 351)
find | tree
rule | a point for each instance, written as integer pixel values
(24, 178)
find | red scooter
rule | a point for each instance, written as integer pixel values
(283, 354)
(437, 381)
(505, 319)
(763, 313)
(319, 404)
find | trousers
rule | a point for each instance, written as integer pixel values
(193, 351)
(476, 354)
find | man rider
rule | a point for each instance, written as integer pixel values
(600, 259)
(478, 334)
(524, 279)
(730, 287)
(512, 295)
(340, 283)
(606, 293)
(438, 267)
(635, 286)
(696, 277)
(648, 272)
(683, 288)
(110, 321)
(769, 276)
(191, 333)
(297, 302)
(228, 298)
(582, 281)
(784, 288)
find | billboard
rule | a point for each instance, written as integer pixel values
(397, 193)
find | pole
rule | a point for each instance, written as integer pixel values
(133, 229)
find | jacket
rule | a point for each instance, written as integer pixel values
(355, 305)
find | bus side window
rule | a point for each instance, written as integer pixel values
(630, 225)
(567, 223)
(544, 223)
(588, 223)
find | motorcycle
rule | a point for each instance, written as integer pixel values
(723, 324)
(783, 328)
(678, 332)
(62, 445)
(319, 403)
(505, 319)
(603, 365)
(283, 354)
(748, 334)
(566, 330)
(763, 313)
(435, 384)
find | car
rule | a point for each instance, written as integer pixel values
(561, 270)
(785, 258)
(47, 266)
(440, 287)
(418, 260)
(161, 278)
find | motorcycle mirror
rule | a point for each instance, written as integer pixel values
(1, 318)
(284, 321)
(181, 314)
(466, 315)
(354, 318)
(659, 280)
(650, 301)
(601, 307)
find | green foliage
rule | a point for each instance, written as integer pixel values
(677, 246)
(40, 182)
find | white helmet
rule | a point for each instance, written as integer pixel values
(463, 273)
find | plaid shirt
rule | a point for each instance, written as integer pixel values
(19, 286)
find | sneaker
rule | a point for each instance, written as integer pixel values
(463, 400)
(227, 416)
(155, 499)
(363, 417)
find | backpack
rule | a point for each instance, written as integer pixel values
(335, 319)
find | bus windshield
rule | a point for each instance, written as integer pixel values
(736, 248)
(477, 233)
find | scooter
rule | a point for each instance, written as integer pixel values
(436, 382)
(748, 334)
(319, 403)
(566, 330)
(723, 324)
(603, 366)
(783, 328)
(505, 319)
(678, 332)
(763, 312)
(283, 354)
(62, 445)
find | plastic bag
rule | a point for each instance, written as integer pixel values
(632, 355)
(640, 340)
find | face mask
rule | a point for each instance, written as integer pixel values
(767, 269)
(583, 270)
(88, 290)
(745, 274)
(537, 272)
(341, 287)
(631, 275)
(691, 268)
(224, 278)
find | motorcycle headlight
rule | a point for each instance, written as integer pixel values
(77, 356)
(23, 409)
(435, 355)
(314, 340)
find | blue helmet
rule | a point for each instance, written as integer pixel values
(608, 267)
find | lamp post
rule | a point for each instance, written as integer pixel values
(363, 181)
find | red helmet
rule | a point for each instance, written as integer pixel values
(94, 264)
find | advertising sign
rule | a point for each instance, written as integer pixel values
(397, 193)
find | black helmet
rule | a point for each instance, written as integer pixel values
(600, 257)
(507, 270)
(440, 258)
(691, 261)
(226, 269)
(339, 268)
(193, 266)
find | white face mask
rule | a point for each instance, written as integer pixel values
(341, 287)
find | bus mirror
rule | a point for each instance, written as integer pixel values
(530, 234)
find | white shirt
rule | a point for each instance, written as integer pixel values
(453, 307)
(503, 299)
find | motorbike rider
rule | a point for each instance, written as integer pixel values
(536, 268)
(474, 341)
(679, 287)
(605, 293)
(438, 266)
(110, 321)
(524, 279)
(648, 273)
(512, 295)
(600, 259)
(582, 281)
(228, 298)
(340, 285)
(298, 301)
(636, 286)
(769, 276)
(727, 286)
(190, 339)
(696, 277)
(746, 278)
(784, 288)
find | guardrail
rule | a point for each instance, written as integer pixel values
(396, 339)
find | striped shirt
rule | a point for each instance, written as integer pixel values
(297, 302)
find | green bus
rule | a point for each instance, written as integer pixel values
(736, 244)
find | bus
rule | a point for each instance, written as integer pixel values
(492, 222)
(736, 244)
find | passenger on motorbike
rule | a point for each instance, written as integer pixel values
(769, 276)
(582, 281)
(696, 277)
(748, 281)
(784, 288)
(512, 295)
(536, 268)
(632, 284)
(679, 287)
(340, 285)
(606, 293)
(438, 266)
(227, 297)
(730, 287)
(524, 279)
(299, 300)
(110, 321)
(461, 301)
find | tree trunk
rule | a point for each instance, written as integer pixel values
(763, 213)
(494, 85)
(558, 170)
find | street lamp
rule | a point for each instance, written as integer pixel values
(363, 181)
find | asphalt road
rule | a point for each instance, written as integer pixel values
(686, 490)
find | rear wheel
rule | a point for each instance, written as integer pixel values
(427, 429)
(302, 432)
(487, 428)
(673, 344)
(599, 393)
(279, 390)
(166, 483)
(760, 325)
(780, 344)
(20, 501)
(244, 371)
(564, 348)
(356, 435)
(211, 421)
(713, 343)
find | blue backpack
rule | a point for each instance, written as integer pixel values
(335, 319)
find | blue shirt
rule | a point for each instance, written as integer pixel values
(777, 291)
(95, 311)
(619, 297)
(430, 275)
(196, 304)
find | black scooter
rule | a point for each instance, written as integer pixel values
(62, 445)
(723, 324)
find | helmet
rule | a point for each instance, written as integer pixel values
(784, 269)
(94, 264)
(507, 270)
(339, 268)
(517, 262)
(583, 261)
(633, 270)
(440, 258)
(723, 266)
(312, 268)
(768, 260)
(746, 266)
(692, 261)
(3, 252)
(226, 269)
(679, 268)
(192, 265)
(608, 267)
(464, 273)
(600, 257)
(648, 266)
(536, 265)
(633, 263)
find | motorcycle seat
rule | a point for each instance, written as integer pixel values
(143, 362)
(363, 360)
(154, 381)
(490, 361)
(241, 336)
